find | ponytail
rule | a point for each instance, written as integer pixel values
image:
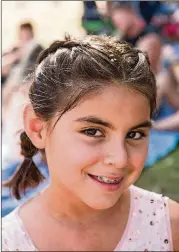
(27, 174)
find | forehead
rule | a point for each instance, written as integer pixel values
(25, 30)
(114, 104)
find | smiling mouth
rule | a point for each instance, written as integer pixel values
(106, 180)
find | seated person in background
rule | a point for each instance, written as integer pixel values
(132, 20)
(164, 136)
(14, 56)
(18, 64)
(22, 56)
(167, 82)
(127, 23)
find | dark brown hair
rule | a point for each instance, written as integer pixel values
(27, 26)
(70, 70)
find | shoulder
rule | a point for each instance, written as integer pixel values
(8, 228)
(167, 209)
(12, 234)
(149, 196)
(8, 221)
(174, 218)
(151, 202)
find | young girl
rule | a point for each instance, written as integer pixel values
(91, 103)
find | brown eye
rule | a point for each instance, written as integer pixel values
(92, 132)
(136, 135)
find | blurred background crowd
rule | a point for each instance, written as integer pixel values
(153, 26)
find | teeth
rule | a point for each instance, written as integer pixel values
(106, 180)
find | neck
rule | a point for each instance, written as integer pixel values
(61, 205)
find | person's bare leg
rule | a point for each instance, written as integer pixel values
(169, 123)
(168, 88)
(151, 44)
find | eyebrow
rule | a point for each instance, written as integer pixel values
(146, 124)
(97, 120)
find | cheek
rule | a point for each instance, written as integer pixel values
(137, 161)
(138, 157)
(72, 154)
(81, 155)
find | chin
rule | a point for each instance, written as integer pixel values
(102, 203)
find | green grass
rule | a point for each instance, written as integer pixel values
(163, 177)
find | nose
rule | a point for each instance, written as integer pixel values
(116, 154)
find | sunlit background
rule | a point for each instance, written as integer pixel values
(51, 19)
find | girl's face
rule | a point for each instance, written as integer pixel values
(98, 149)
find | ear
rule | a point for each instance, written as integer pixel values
(35, 128)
